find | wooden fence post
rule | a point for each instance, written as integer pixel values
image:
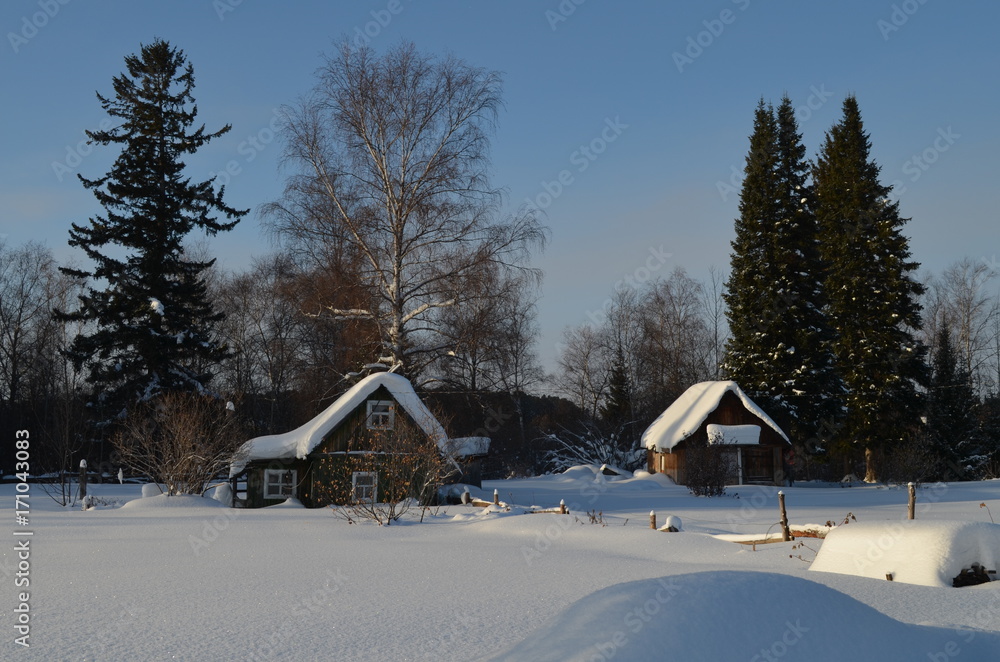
(652, 519)
(83, 479)
(562, 506)
(496, 498)
(912, 506)
(785, 533)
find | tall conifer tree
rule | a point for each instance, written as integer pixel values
(749, 296)
(951, 407)
(873, 297)
(780, 344)
(152, 325)
(803, 369)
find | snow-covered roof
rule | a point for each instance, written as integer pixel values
(466, 446)
(689, 411)
(303, 440)
(742, 435)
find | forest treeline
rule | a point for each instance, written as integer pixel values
(395, 251)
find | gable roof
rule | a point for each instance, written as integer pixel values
(683, 418)
(304, 439)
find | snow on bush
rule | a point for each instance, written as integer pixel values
(592, 446)
(672, 523)
(926, 552)
(724, 615)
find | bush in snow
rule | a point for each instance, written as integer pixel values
(708, 468)
(389, 473)
(180, 440)
(592, 446)
(916, 462)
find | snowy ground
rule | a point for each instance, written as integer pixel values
(187, 579)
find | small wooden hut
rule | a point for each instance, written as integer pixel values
(304, 463)
(717, 412)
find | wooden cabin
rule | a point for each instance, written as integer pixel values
(318, 462)
(717, 412)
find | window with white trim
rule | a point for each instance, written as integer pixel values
(381, 414)
(364, 486)
(279, 483)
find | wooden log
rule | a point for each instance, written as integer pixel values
(785, 533)
(912, 506)
(652, 519)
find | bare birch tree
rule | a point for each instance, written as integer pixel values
(584, 368)
(963, 299)
(26, 274)
(392, 155)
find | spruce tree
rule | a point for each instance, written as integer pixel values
(803, 370)
(951, 408)
(617, 409)
(751, 308)
(150, 323)
(780, 349)
(872, 295)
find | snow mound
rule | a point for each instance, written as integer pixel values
(223, 494)
(290, 502)
(724, 615)
(672, 524)
(178, 501)
(926, 552)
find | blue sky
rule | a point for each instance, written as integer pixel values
(642, 108)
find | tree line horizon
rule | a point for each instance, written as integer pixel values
(395, 250)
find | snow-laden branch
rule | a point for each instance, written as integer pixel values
(419, 310)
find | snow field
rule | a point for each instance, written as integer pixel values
(187, 579)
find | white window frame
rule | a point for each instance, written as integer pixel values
(358, 498)
(286, 482)
(381, 414)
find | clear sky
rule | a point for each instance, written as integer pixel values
(646, 106)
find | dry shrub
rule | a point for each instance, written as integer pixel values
(180, 440)
(708, 467)
(408, 467)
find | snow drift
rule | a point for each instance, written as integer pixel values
(925, 552)
(723, 615)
